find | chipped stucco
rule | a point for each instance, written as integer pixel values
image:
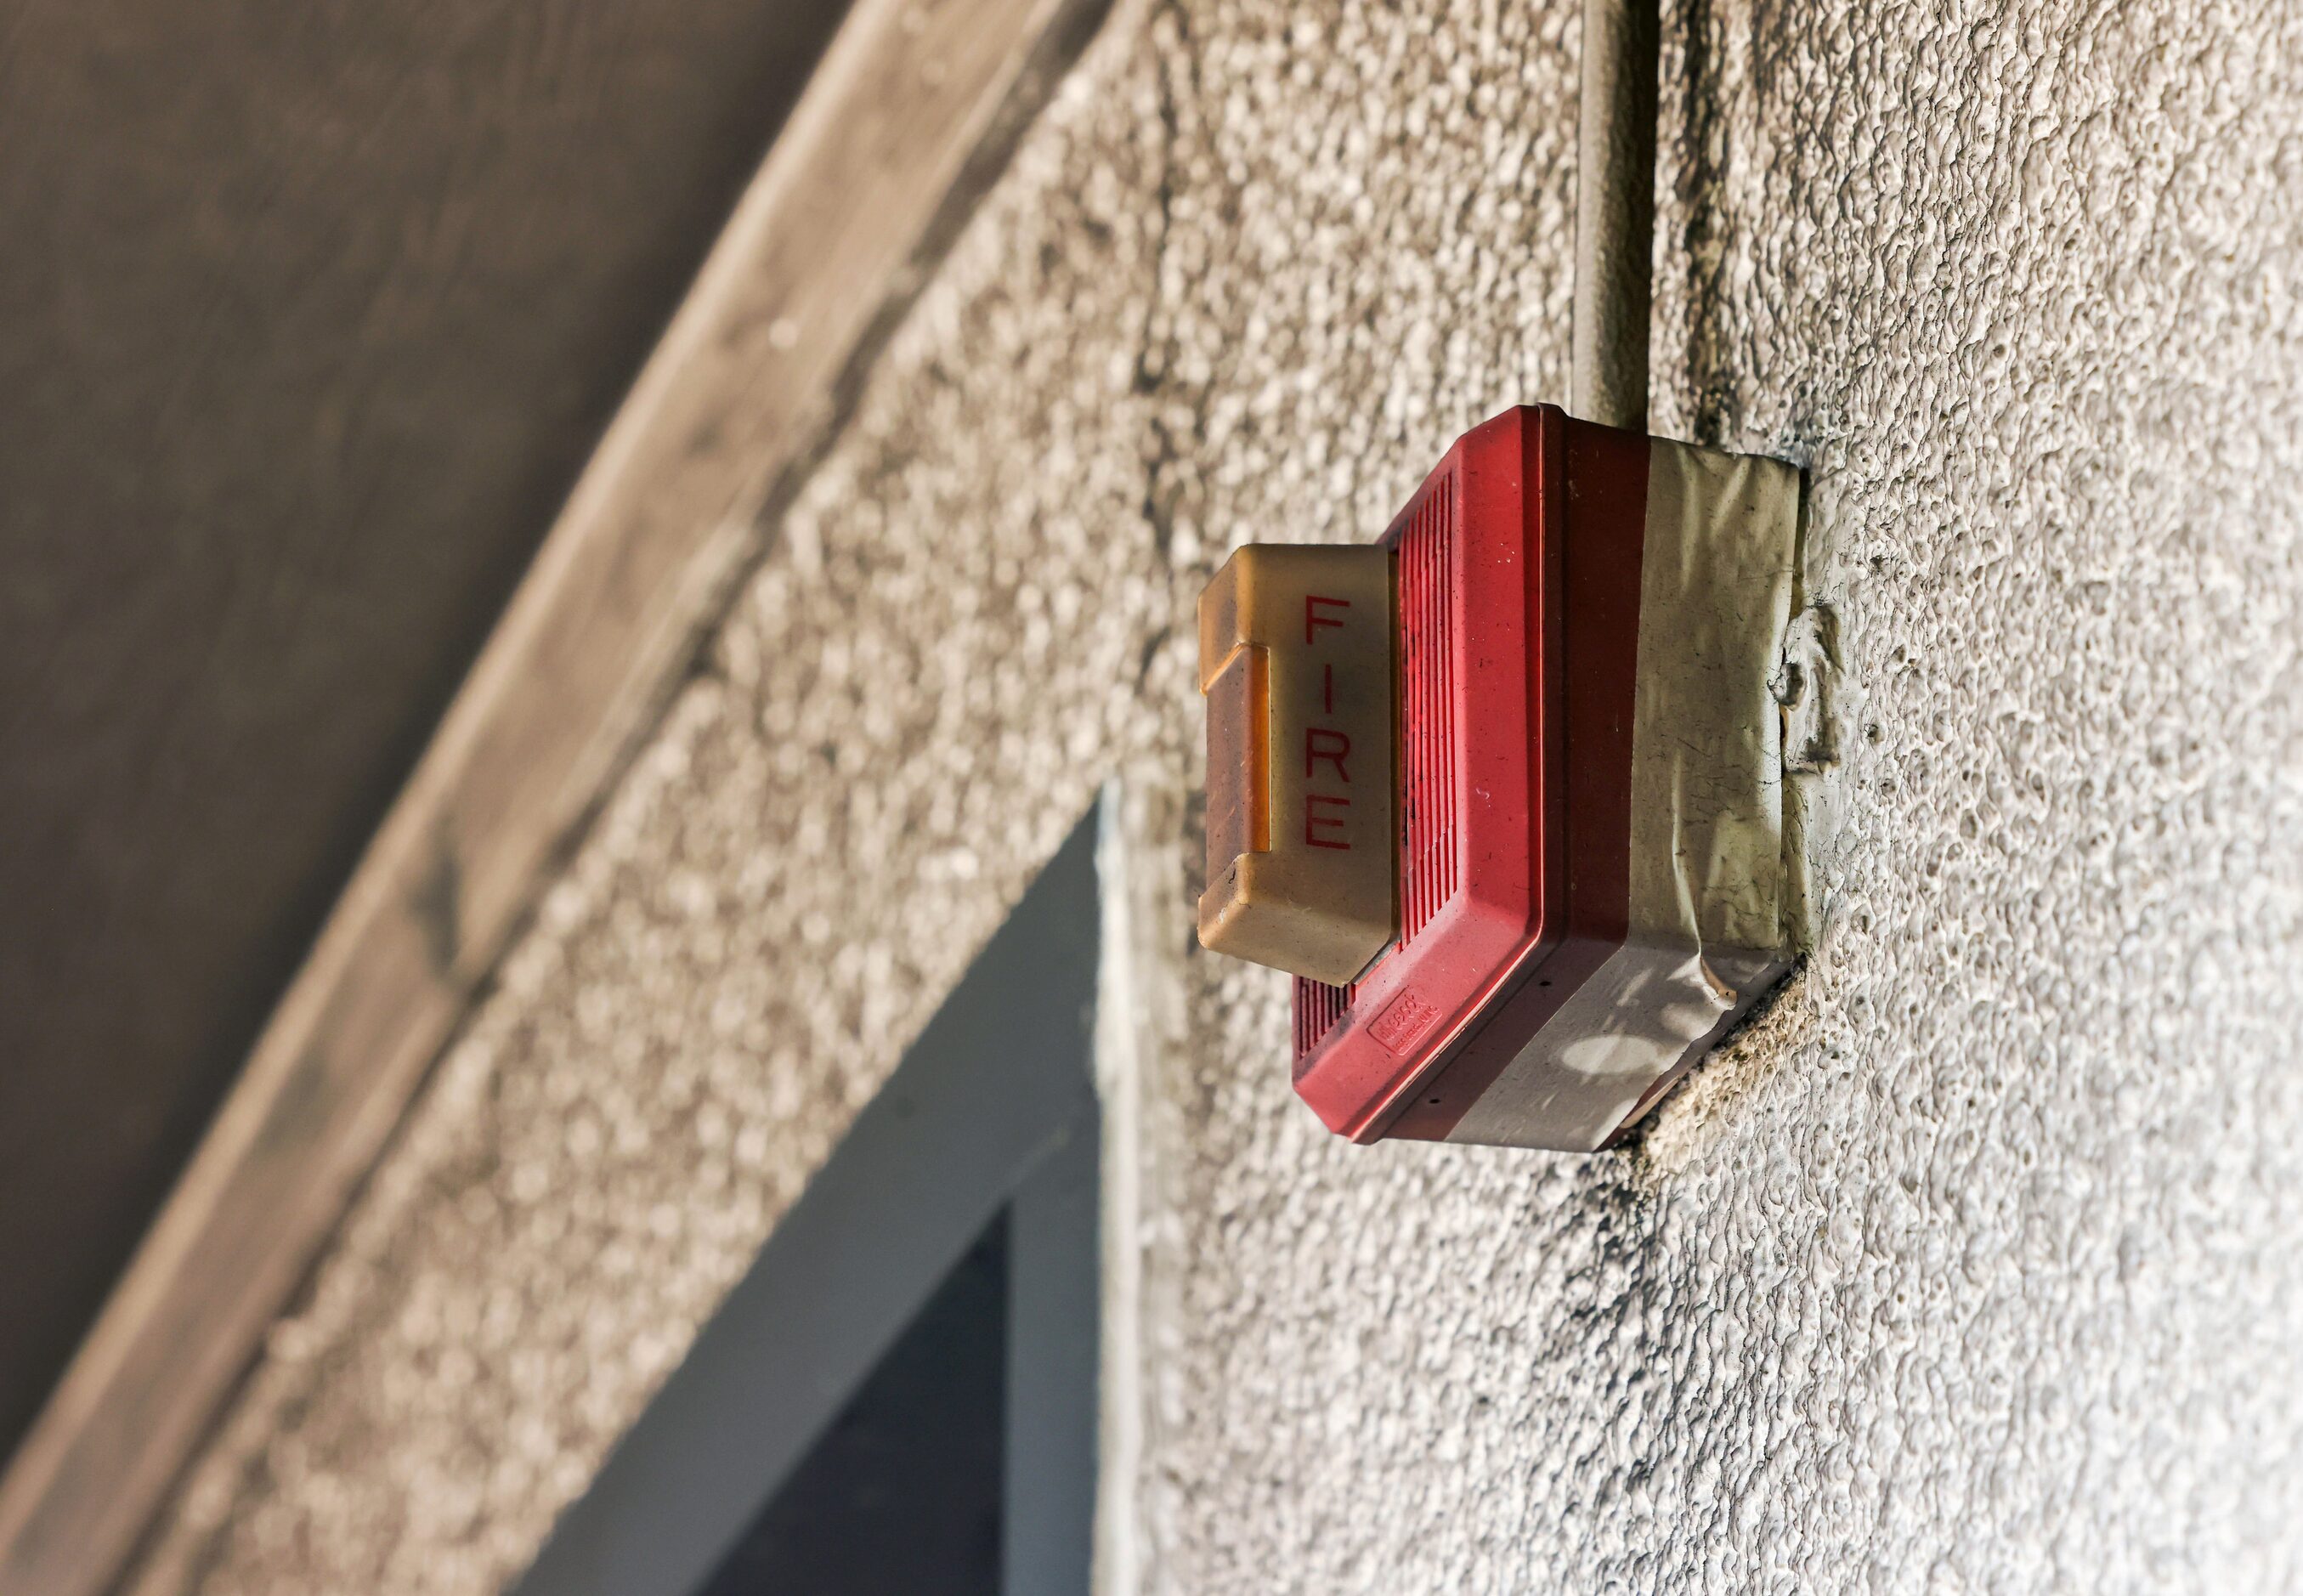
(1974, 1265)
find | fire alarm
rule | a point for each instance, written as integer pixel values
(1503, 790)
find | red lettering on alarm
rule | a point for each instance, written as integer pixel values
(1327, 816)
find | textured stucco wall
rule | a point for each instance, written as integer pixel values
(1978, 1264)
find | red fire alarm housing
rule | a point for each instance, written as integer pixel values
(1582, 804)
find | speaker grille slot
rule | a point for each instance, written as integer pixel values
(1430, 867)
(1320, 1009)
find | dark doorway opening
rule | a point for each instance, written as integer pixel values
(901, 1394)
(901, 1497)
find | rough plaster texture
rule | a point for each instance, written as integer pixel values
(1973, 1265)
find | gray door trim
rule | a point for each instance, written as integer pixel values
(994, 1104)
(1054, 1303)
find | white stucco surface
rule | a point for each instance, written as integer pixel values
(1977, 1265)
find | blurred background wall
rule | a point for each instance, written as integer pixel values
(308, 316)
(1975, 1266)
